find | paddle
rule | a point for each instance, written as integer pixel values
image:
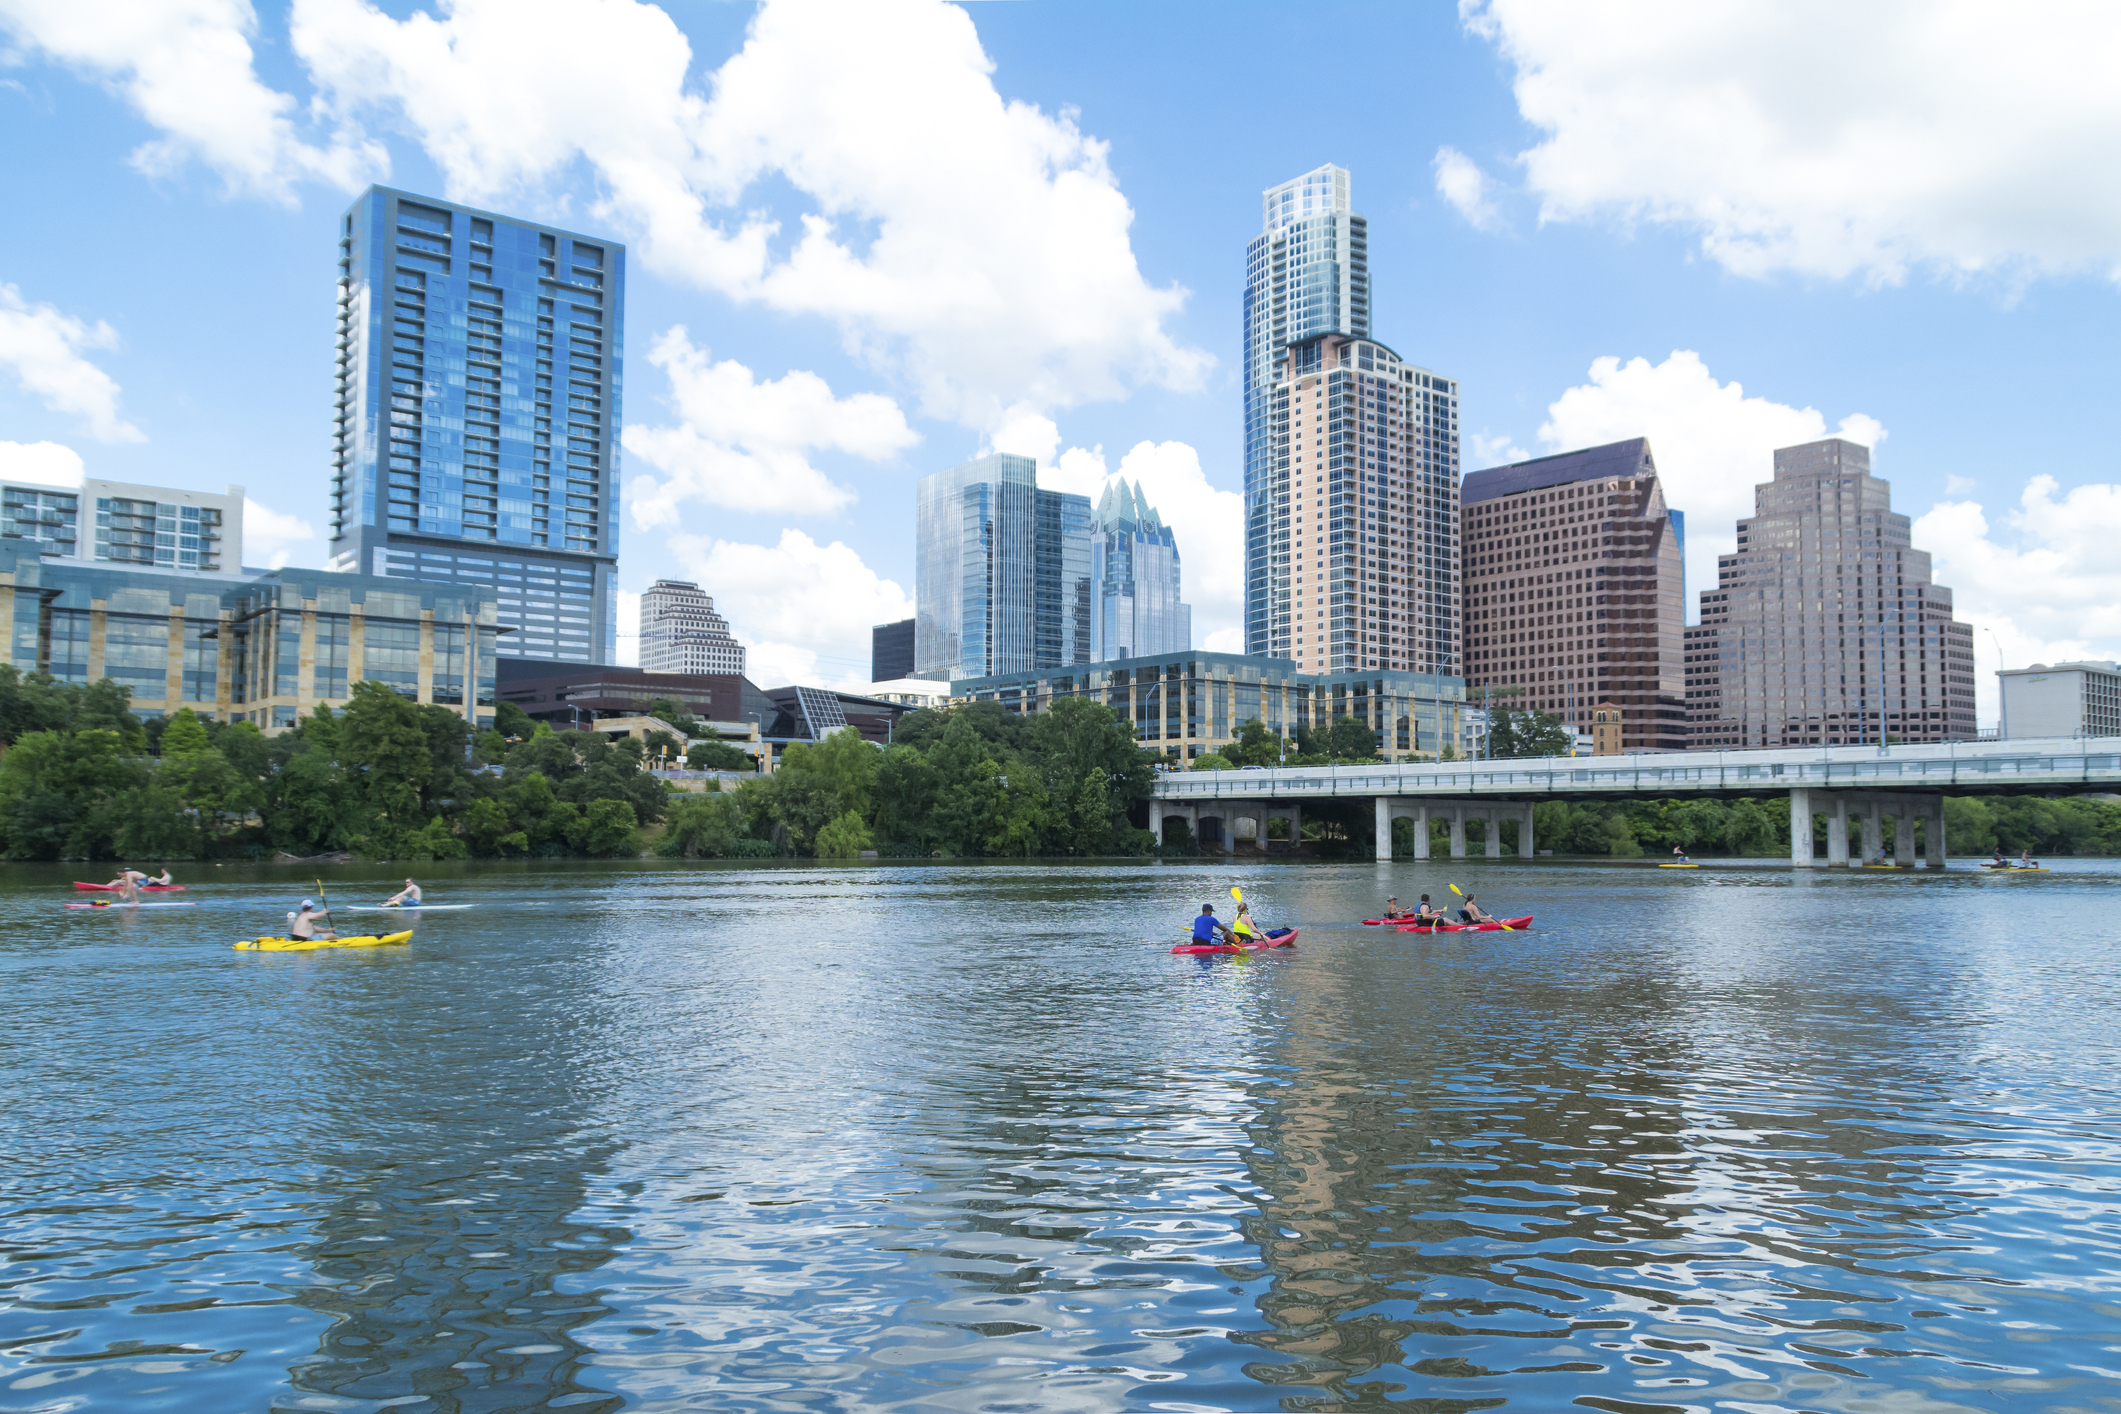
(1461, 893)
(327, 905)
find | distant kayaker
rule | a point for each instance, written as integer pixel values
(1206, 926)
(407, 897)
(1999, 862)
(1392, 908)
(1678, 855)
(1474, 913)
(2026, 860)
(162, 880)
(1428, 915)
(305, 926)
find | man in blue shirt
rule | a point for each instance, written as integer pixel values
(1205, 927)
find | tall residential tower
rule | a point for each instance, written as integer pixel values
(1351, 456)
(477, 430)
(682, 633)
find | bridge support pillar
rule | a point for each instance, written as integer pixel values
(1801, 830)
(1525, 843)
(1458, 832)
(1156, 818)
(1384, 829)
(1421, 833)
(1873, 830)
(1933, 844)
(1904, 832)
(1837, 833)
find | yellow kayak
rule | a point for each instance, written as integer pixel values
(365, 940)
(1679, 866)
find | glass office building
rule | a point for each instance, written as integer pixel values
(1001, 572)
(1134, 574)
(476, 438)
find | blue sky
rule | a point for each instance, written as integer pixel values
(1030, 224)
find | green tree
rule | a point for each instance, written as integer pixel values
(1513, 734)
(489, 830)
(61, 793)
(512, 722)
(718, 756)
(904, 792)
(29, 703)
(843, 760)
(184, 734)
(1351, 739)
(844, 838)
(706, 826)
(1255, 745)
(1211, 761)
(667, 709)
(608, 829)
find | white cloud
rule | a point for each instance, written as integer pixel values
(742, 444)
(272, 538)
(1826, 138)
(185, 66)
(1500, 449)
(45, 350)
(2048, 585)
(1713, 444)
(974, 247)
(1460, 181)
(1208, 524)
(803, 610)
(44, 463)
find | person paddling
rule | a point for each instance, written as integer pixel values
(1474, 913)
(1392, 908)
(304, 928)
(1428, 915)
(407, 897)
(1999, 862)
(1207, 925)
(1678, 855)
(1243, 926)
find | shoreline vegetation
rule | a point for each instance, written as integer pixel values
(83, 778)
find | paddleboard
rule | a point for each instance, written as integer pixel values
(405, 907)
(1679, 866)
(133, 905)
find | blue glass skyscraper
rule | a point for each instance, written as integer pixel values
(1001, 572)
(476, 438)
(1134, 578)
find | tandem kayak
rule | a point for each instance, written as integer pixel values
(365, 940)
(1275, 938)
(121, 903)
(113, 888)
(1513, 925)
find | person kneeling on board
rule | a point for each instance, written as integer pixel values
(1206, 926)
(304, 927)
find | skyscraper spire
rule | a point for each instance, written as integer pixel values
(1134, 579)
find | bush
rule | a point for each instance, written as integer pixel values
(845, 838)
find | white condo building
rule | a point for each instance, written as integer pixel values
(681, 632)
(128, 525)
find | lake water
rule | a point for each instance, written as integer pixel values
(969, 1138)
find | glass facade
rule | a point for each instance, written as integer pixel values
(1001, 572)
(1134, 578)
(1351, 455)
(265, 650)
(478, 415)
(1188, 704)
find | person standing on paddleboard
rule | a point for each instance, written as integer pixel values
(407, 897)
(1207, 925)
(304, 928)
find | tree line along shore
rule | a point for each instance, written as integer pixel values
(82, 777)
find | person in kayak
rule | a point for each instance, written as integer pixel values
(162, 880)
(1428, 915)
(1998, 862)
(1243, 926)
(1392, 908)
(407, 897)
(1679, 855)
(1207, 925)
(1474, 913)
(304, 928)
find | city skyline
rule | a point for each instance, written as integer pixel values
(1057, 282)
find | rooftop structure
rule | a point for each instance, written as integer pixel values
(1134, 575)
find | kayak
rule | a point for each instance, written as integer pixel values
(365, 940)
(1679, 866)
(406, 907)
(1511, 924)
(119, 903)
(1380, 922)
(113, 888)
(1276, 938)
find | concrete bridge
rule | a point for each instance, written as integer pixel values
(1860, 783)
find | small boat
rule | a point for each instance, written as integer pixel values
(113, 888)
(1512, 925)
(1683, 864)
(121, 903)
(407, 907)
(1275, 938)
(1394, 920)
(364, 940)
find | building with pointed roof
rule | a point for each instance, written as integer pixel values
(1134, 574)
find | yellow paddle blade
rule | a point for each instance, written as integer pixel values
(1455, 889)
(1237, 893)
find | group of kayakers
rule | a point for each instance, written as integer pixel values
(2024, 860)
(130, 880)
(310, 923)
(1427, 915)
(1206, 926)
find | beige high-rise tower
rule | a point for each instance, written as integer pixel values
(1824, 628)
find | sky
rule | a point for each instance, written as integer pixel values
(867, 241)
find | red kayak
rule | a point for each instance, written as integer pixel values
(113, 888)
(1515, 925)
(1278, 938)
(1394, 920)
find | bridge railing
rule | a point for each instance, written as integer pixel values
(2063, 762)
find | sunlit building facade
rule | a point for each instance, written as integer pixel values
(682, 633)
(1134, 575)
(1001, 571)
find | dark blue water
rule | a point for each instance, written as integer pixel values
(969, 1138)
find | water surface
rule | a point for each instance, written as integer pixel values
(968, 1138)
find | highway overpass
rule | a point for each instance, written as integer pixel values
(1865, 783)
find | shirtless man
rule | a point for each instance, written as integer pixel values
(128, 884)
(162, 880)
(304, 928)
(1392, 909)
(407, 897)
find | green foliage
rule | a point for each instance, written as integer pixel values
(1351, 739)
(608, 829)
(512, 722)
(1255, 745)
(704, 827)
(61, 793)
(718, 756)
(1513, 734)
(667, 710)
(844, 838)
